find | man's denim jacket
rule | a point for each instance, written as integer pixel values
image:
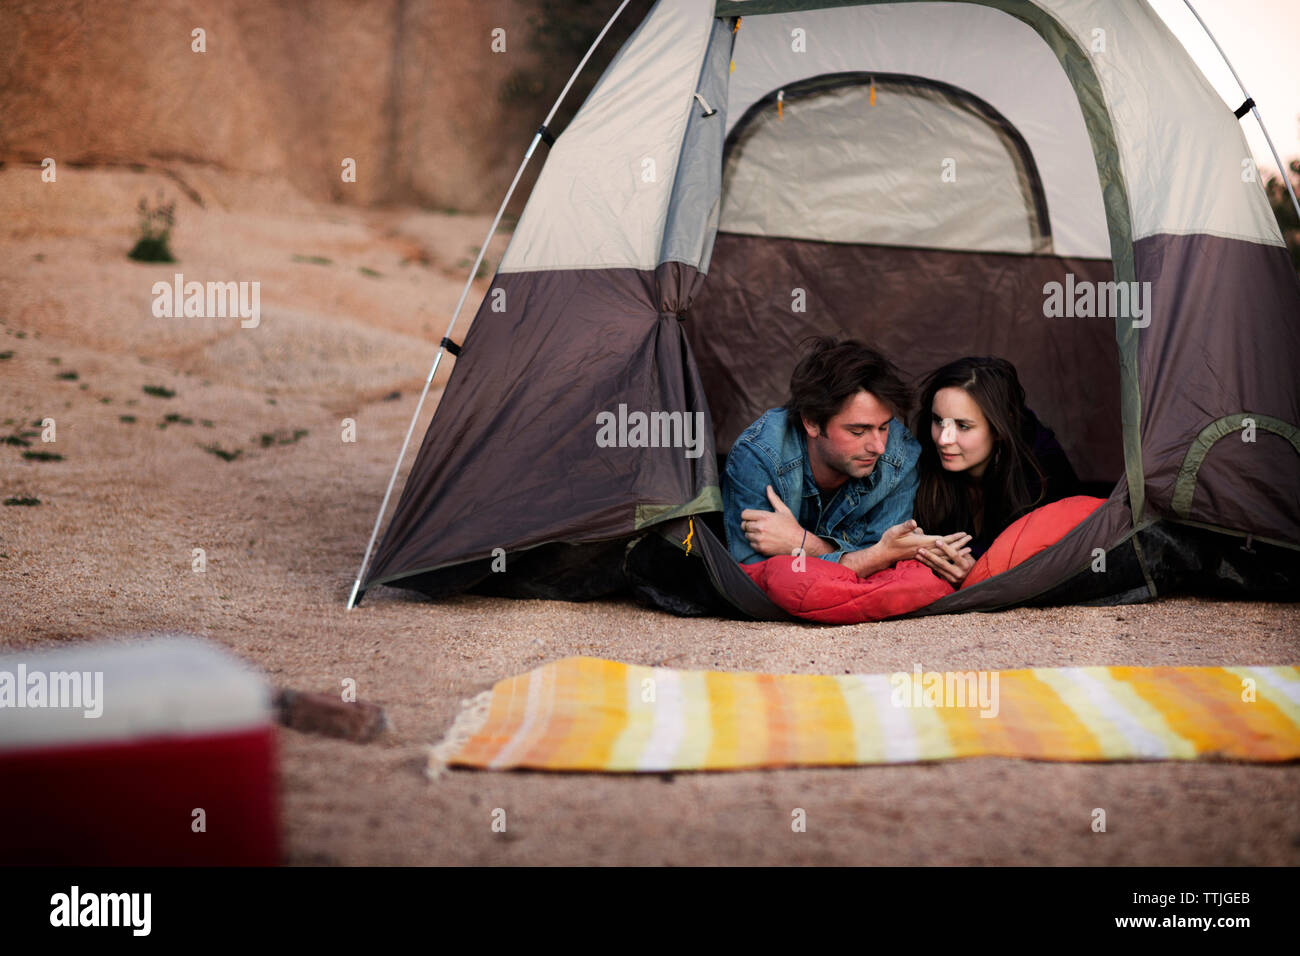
(858, 512)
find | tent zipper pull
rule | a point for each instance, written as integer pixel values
(780, 99)
(690, 535)
(872, 101)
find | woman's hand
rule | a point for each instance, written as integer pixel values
(948, 559)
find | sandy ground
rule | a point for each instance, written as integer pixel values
(108, 552)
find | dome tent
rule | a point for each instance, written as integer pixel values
(1052, 181)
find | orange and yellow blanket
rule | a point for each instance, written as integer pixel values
(582, 713)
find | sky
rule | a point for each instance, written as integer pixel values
(1261, 38)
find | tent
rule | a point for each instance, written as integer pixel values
(1052, 181)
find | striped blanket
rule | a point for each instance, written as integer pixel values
(587, 714)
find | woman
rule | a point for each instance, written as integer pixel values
(986, 460)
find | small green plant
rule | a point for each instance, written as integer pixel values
(67, 376)
(158, 391)
(279, 437)
(128, 419)
(15, 440)
(26, 501)
(155, 228)
(222, 453)
(484, 268)
(6, 355)
(42, 456)
(366, 271)
(314, 260)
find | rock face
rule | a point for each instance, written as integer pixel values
(412, 90)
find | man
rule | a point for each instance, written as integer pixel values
(833, 471)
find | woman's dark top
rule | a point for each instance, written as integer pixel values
(1059, 480)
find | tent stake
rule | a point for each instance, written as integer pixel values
(1282, 170)
(542, 131)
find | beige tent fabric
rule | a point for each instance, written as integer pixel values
(978, 49)
(601, 200)
(915, 169)
(1181, 149)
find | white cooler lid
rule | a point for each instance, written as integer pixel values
(165, 686)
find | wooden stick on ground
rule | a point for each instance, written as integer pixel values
(326, 714)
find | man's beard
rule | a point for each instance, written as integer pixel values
(845, 464)
(860, 469)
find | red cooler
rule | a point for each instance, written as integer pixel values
(145, 752)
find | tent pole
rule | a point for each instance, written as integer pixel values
(1281, 169)
(473, 271)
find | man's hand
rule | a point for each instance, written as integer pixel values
(948, 559)
(772, 532)
(899, 543)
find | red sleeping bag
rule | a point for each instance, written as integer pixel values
(1036, 531)
(830, 593)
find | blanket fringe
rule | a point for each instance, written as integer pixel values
(473, 715)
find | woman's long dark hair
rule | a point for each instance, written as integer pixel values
(946, 501)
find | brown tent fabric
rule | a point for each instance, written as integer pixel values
(1224, 340)
(510, 461)
(922, 308)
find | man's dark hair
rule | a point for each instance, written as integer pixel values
(833, 370)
